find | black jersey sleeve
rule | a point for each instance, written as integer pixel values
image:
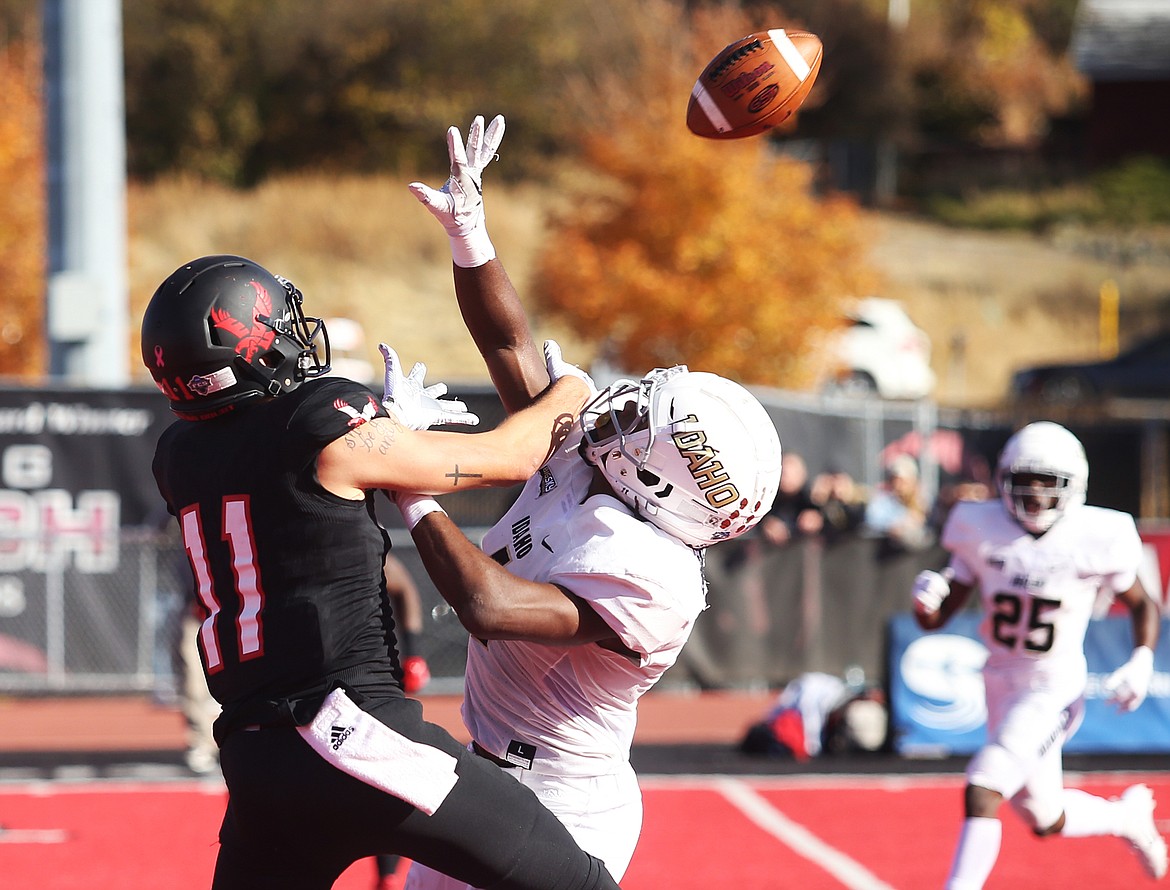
(330, 408)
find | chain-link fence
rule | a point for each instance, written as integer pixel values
(774, 613)
(92, 593)
(66, 627)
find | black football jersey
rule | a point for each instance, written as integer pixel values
(288, 574)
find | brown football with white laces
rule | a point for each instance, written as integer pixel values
(754, 84)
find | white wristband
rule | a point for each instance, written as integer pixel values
(472, 248)
(1144, 656)
(414, 507)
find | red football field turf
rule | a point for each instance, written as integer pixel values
(701, 833)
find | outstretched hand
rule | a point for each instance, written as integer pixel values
(458, 205)
(416, 406)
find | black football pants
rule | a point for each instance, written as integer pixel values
(295, 822)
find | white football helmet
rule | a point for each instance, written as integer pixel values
(693, 453)
(1047, 449)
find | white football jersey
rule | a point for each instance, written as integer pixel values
(1038, 592)
(571, 710)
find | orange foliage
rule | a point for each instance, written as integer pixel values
(717, 254)
(1026, 82)
(22, 214)
(988, 55)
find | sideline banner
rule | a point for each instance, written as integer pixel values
(936, 690)
(73, 460)
(74, 476)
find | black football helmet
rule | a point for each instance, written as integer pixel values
(222, 330)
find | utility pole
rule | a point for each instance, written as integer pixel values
(87, 300)
(886, 176)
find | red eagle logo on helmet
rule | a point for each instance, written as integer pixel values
(256, 338)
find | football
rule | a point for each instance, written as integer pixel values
(754, 84)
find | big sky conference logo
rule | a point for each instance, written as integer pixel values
(943, 672)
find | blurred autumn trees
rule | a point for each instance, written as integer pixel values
(975, 73)
(726, 255)
(670, 248)
(239, 90)
(22, 213)
(714, 253)
(995, 72)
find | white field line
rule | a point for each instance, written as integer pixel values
(803, 842)
(33, 836)
(874, 781)
(804, 781)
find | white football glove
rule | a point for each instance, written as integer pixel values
(1127, 686)
(930, 589)
(558, 367)
(458, 205)
(416, 406)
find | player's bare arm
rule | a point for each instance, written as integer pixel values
(389, 455)
(495, 318)
(1145, 615)
(1129, 684)
(490, 306)
(494, 604)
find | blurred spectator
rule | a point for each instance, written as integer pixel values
(199, 709)
(897, 510)
(841, 502)
(408, 623)
(794, 514)
(347, 342)
(180, 621)
(949, 495)
(818, 713)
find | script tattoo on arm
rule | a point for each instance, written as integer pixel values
(371, 437)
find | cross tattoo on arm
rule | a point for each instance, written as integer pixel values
(458, 475)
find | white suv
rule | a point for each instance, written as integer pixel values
(881, 352)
